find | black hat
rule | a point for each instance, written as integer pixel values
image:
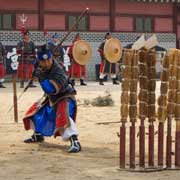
(107, 34)
(44, 53)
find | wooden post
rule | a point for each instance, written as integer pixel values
(15, 99)
(122, 145)
(177, 144)
(142, 144)
(160, 143)
(132, 146)
(169, 143)
(151, 144)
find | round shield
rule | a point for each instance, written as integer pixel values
(81, 52)
(113, 50)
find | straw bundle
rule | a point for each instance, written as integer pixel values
(126, 72)
(178, 97)
(162, 114)
(162, 100)
(124, 112)
(165, 62)
(151, 98)
(171, 56)
(133, 99)
(151, 85)
(143, 96)
(164, 88)
(125, 85)
(134, 72)
(126, 59)
(133, 88)
(164, 75)
(143, 84)
(171, 96)
(172, 83)
(126, 75)
(133, 113)
(151, 112)
(177, 108)
(173, 71)
(151, 62)
(133, 85)
(142, 110)
(178, 86)
(124, 97)
(177, 112)
(171, 108)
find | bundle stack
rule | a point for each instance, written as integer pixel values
(151, 75)
(126, 76)
(177, 110)
(177, 107)
(143, 84)
(162, 100)
(162, 107)
(133, 86)
(172, 84)
(171, 104)
(133, 105)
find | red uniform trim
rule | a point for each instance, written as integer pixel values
(25, 70)
(2, 71)
(62, 114)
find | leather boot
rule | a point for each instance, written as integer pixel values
(115, 81)
(1, 85)
(72, 82)
(36, 137)
(75, 145)
(101, 82)
(82, 83)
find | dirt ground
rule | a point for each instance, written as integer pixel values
(99, 158)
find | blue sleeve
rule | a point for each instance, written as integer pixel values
(47, 87)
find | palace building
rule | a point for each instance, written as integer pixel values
(126, 19)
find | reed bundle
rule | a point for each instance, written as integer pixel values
(177, 108)
(133, 113)
(126, 76)
(151, 62)
(133, 88)
(124, 97)
(164, 88)
(162, 100)
(125, 85)
(124, 112)
(162, 114)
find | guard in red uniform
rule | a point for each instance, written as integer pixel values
(106, 67)
(2, 69)
(26, 52)
(77, 71)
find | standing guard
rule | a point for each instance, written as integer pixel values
(2, 69)
(55, 50)
(77, 71)
(107, 67)
(26, 51)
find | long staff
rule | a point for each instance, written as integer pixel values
(65, 37)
